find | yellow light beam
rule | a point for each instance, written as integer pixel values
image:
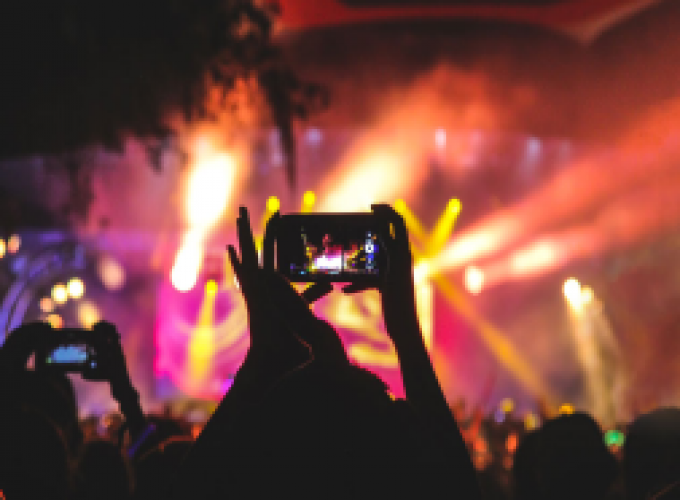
(494, 339)
(444, 227)
(414, 226)
(498, 344)
(202, 343)
(366, 354)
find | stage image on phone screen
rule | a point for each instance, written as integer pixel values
(333, 247)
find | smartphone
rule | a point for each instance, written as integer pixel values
(68, 352)
(329, 247)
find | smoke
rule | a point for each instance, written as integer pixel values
(593, 206)
(393, 157)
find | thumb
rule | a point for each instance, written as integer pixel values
(356, 288)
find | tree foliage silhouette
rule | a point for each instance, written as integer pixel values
(78, 72)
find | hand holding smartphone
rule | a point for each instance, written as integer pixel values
(70, 350)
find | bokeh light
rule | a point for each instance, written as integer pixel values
(507, 405)
(273, 204)
(572, 292)
(474, 279)
(3, 248)
(55, 321)
(614, 437)
(308, 201)
(88, 314)
(511, 442)
(76, 288)
(530, 421)
(59, 293)
(14, 243)
(46, 305)
(111, 273)
(566, 409)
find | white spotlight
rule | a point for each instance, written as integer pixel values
(474, 279)
(572, 292)
(440, 138)
(209, 189)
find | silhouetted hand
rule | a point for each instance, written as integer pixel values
(275, 313)
(396, 286)
(22, 342)
(272, 346)
(293, 308)
(421, 386)
(112, 368)
(397, 289)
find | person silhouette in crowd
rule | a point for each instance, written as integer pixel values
(153, 469)
(49, 394)
(299, 405)
(651, 456)
(524, 469)
(571, 460)
(34, 462)
(102, 473)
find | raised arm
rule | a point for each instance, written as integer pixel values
(274, 352)
(422, 388)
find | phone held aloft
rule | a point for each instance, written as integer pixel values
(330, 247)
(69, 350)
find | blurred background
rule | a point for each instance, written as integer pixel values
(531, 146)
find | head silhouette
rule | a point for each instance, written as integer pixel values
(102, 472)
(572, 459)
(524, 470)
(155, 467)
(50, 394)
(34, 460)
(651, 453)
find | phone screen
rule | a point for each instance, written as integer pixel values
(328, 247)
(71, 355)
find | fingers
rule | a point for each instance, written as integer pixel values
(316, 291)
(249, 260)
(388, 215)
(235, 262)
(106, 335)
(268, 256)
(319, 335)
(288, 301)
(106, 330)
(28, 336)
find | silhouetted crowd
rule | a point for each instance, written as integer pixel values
(300, 419)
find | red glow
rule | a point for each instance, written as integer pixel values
(302, 14)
